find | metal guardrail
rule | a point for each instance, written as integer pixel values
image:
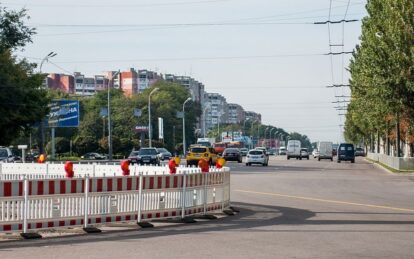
(36, 201)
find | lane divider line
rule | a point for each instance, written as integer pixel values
(326, 201)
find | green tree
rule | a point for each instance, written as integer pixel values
(22, 103)
(382, 72)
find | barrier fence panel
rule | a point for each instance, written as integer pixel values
(45, 199)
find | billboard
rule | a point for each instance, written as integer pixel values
(64, 113)
(160, 128)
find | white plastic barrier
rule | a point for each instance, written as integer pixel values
(37, 202)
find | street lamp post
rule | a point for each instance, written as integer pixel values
(244, 126)
(149, 116)
(270, 135)
(184, 144)
(265, 139)
(204, 117)
(109, 116)
(42, 122)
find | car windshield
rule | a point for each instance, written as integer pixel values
(3, 153)
(234, 150)
(256, 152)
(133, 153)
(198, 150)
(147, 151)
(162, 150)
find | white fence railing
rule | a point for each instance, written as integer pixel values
(31, 201)
(397, 163)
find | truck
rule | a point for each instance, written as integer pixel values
(207, 142)
(325, 150)
(293, 149)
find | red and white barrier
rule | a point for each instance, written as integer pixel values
(29, 204)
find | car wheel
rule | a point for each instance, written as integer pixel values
(264, 164)
(300, 158)
(339, 161)
(288, 158)
(331, 159)
(319, 159)
(353, 161)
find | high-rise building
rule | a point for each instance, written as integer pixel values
(253, 116)
(61, 82)
(195, 88)
(236, 114)
(218, 110)
(84, 86)
(146, 79)
(129, 82)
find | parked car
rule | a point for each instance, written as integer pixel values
(233, 154)
(257, 156)
(144, 156)
(359, 151)
(198, 152)
(94, 156)
(346, 152)
(315, 153)
(6, 155)
(325, 150)
(164, 154)
(304, 153)
(244, 151)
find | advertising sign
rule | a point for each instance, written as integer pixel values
(160, 128)
(140, 128)
(64, 113)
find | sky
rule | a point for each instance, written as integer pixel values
(266, 55)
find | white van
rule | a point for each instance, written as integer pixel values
(293, 149)
(325, 150)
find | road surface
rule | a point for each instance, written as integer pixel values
(290, 209)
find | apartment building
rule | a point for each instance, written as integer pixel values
(146, 79)
(236, 113)
(217, 111)
(129, 82)
(61, 82)
(84, 86)
(253, 116)
(195, 88)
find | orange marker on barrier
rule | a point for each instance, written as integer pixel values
(125, 167)
(69, 169)
(220, 162)
(203, 164)
(41, 159)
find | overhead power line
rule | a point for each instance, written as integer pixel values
(339, 21)
(340, 85)
(339, 53)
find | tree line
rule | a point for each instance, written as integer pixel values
(381, 109)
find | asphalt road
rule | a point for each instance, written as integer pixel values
(290, 209)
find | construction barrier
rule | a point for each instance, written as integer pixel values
(45, 199)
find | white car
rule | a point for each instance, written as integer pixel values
(257, 156)
(315, 153)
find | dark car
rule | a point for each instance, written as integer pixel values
(93, 155)
(164, 154)
(145, 156)
(359, 152)
(233, 154)
(346, 152)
